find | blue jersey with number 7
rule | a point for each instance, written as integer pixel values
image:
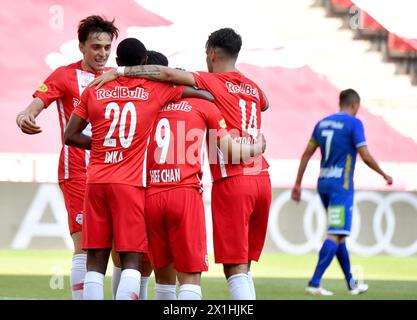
(338, 136)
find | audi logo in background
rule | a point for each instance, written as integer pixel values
(383, 224)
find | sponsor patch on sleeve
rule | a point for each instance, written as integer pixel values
(313, 142)
(222, 124)
(43, 88)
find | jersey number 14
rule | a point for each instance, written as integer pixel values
(252, 126)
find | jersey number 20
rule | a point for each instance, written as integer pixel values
(125, 142)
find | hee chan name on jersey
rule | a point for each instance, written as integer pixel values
(165, 175)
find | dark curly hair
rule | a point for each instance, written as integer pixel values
(93, 24)
(157, 58)
(226, 39)
(131, 52)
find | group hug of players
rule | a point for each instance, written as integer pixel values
(134, 140)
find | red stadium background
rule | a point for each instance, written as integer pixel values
(42, 37)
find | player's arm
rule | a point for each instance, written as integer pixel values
(73, 135)
(305, 158)
(150, 72)
(266, 106)
(238, 152)
(190, 92)
(25, 119)
(371, 163)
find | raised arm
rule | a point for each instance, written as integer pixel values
(150, 72)
(25, 119)
(371, 163)
(305, 158)
(73, 135)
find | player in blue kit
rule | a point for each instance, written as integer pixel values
(340, 137)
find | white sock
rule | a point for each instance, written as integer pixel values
(78, 271)
(115, 279)
(144, 288)
(129, 285)
(190, 292)
(252, 285)
(93, 286)
(239, 287)
(165, 291)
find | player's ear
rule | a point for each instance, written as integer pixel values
(211, 52)
(213, 55)
(355, 108)
(81, 47)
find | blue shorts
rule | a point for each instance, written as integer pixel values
(339, 206)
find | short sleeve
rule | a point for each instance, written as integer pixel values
(213, 118)
(262, 100)
(168, 92)
(82, 109)
(314, 137)
(358, 134)
(200, 78)
(53, 87)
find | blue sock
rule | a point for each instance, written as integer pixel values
(326, 255)
(343, 257)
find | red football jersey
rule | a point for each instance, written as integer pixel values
(240, 100)
(122, 113)
(65, 86)
(178, 141)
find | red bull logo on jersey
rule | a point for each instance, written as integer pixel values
(75, 102)
(242, 88)
(182, 106)
(122, 92)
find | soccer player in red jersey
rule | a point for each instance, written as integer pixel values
(239, 227)
(65, 86)
(121, 115)
(174, 206)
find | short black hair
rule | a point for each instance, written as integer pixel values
(157, 58)
(226, 39)
(93, 24)
(348, 97)
(130, 52)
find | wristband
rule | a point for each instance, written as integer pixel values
(120, 71)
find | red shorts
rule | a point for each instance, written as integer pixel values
(240, 209)
(73, 192)
(177, 229)
(114, 213)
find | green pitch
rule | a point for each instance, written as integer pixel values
(44, 275)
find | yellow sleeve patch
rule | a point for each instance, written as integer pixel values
(43, 88)
(223, 124)
(313, 142)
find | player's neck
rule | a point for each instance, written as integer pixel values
(86, 67)
(347, 110)
(221, 68)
